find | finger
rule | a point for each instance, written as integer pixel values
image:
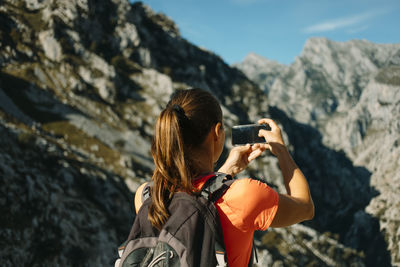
(255, 146)
(263, 147)
(260, 146)
(268, 147)
(253, 155)
(270, 122)
(264, 133)
(242, 149)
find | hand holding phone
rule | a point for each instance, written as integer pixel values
(248, 134)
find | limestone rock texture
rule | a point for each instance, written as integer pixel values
(82, 83)
(349, 93)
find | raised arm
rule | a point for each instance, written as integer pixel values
(297, 204)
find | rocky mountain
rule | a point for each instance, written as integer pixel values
(349, 92)
(81, 84)
(261, 70)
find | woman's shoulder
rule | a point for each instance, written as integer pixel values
(138, 196)
(250, 203)
(250, 183)
(250, 189)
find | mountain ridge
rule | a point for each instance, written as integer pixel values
(82, 84)
(337, 88)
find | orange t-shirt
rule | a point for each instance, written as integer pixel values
(247, 205)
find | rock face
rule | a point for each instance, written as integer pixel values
(349, 93)
(261, 70)
(81, 85)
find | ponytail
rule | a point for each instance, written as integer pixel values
(171, 170)
(183, 125)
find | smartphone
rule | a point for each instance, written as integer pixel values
(248, 134)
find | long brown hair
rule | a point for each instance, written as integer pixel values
(182, 126)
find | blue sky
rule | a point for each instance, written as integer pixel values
(277, 29)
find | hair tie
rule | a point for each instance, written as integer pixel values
(183, 119)
(178, 109)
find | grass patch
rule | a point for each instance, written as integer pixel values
(76, 137)
(125, 65)
(389, 75)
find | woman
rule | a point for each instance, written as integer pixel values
(189, 138)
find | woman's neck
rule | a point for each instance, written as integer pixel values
(203, 156)
(202, 161)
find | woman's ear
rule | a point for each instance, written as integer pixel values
(218, 131)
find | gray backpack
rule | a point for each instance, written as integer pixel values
(192, 236)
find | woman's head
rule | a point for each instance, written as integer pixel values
(181, 129)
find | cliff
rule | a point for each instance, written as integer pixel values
(349, 93)
(81, 85)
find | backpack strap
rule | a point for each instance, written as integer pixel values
(212, 189)
(253, 255)
(215, 187)
(146, 191)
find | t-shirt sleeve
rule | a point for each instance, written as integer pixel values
(258, 204)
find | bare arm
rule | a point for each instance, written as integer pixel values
(138, 197)
(297, 204)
